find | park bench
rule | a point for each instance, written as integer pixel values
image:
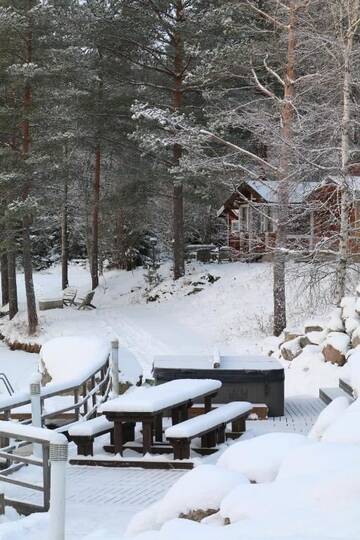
(210, 427)
(4, 310)
(85, 303)
(83, 434)
(69, 295)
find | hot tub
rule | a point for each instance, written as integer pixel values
(258, 379)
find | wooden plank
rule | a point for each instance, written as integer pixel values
(142, 464)
(20, 483)
(24, 508)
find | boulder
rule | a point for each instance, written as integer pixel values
(348, 304)
(291, 349)
(335, 348)
(312, 326)
(316, 338)
(355, 338)
(351, 325)
(357, 306)
(289, 335)
(335, 323)
(358, 290)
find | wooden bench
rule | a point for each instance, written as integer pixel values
(209, 426)
(85, 303)
(69, 295)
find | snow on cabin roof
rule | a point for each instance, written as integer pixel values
(298, 191)
(353, 182)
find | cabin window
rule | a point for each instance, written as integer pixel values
(235, 226)
(243, 218)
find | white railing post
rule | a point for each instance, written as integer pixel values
(58, 460)
(35, 393)
(115, 367)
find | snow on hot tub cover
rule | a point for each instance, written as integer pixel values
(155, 398)
(72, 359)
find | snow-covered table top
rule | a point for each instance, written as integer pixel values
(157, 398)
(241, 362)
(223, 414)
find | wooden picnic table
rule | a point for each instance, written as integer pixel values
(149, 405)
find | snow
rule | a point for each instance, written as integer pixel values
(346, 428)
(202, 488)
(203, 422)
(259, 459)
(338, 341)
(20, 430)
(90, 427)
(353, 370)
(71, 360)
(328, 416)
(248, 362)
(156, 398)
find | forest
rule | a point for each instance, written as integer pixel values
(127, 120)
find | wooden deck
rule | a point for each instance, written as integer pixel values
(97, 489)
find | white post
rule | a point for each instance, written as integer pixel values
(115, 367)
(58, 459)
(35, 391)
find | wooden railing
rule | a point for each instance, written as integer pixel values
(24, 438)
(85, 398)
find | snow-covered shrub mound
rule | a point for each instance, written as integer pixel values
(259, 459)
(331, 413)
(202, 488)
(324, 459)
(346, 429)
(353, 370)
(67, 360)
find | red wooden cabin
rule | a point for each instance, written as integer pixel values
(251, 215)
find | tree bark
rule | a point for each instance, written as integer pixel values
(64, 239)
(26, 147)
(28, 275)
(4, 280)
(353, 14)
(287, 114)
(94, 263)
(178, 200)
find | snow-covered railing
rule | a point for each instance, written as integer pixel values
(52, 461)
(84, 392)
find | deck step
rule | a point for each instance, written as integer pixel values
(345, 385)
(327, 395)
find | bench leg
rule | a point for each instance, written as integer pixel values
(207, 404)
(158, 428)
(129, 431)
(181, 449)
(118, 438)
(209, 440)
(85, 447)
(238, 426)
(147, 435)
(175, 416)
(221, 434)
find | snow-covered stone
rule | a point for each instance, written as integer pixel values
(291, 349)
(335, 348)
(259, 459)
(348, 304)
(316, 338)
(352, 324)
(328, 416)
(346, 428)
(313, 326)
(335, 323)
(289, 335)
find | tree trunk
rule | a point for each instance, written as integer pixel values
(64, 239)
(13, 302)
(287, 113)
(4, 280)
(26, 147)
(178, 215)
(28, 275)
(94, 263)
(178, 202)
(345, 153)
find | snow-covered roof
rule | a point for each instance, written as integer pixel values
(267, 189)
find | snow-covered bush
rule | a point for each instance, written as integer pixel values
(331, 413)
(202, 488)
(259, 459)
(346, 429)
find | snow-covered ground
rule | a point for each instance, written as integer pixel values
(195, 315)
(232, 314)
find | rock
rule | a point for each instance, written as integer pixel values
(348, 307)
(312, 326)
(357, 306)
(335, 323)
(198, 515)
(289, 335)
(351, 325)
(335, 348)
(316, 338)
(304, 341)
(358, 290)
(291, 349)
(355, 338)
(334, 356)
(270, 345)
